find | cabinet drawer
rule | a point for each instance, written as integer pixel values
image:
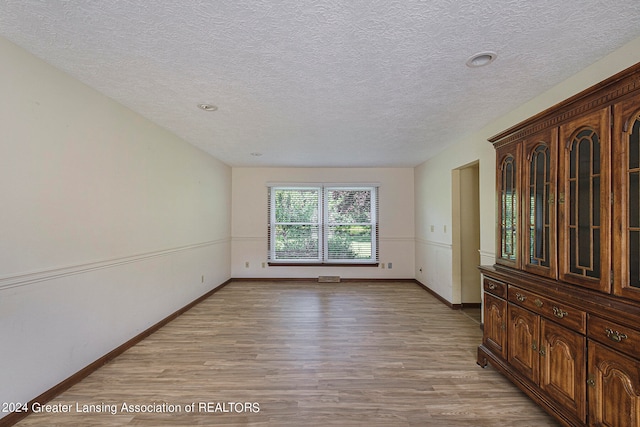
(568, 316)
(494, 287)
(614, 335)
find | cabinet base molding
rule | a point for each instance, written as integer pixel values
(486, 357)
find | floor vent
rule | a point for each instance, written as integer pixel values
(329, 279)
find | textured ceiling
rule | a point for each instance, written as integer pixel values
(322, 82)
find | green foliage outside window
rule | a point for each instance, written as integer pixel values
(299, 229)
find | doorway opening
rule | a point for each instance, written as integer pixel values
(467, 285)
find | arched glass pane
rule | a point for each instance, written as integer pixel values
(584, 200)
(509, 206)
(539, 220)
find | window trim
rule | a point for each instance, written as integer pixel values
(323, 225)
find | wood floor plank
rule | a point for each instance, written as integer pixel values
(305, 354)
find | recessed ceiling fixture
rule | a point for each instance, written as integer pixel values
(481, 59)
(207, 107)
(256, 154)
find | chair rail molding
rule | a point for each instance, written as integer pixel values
(24, 279)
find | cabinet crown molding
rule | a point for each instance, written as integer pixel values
(597, 96)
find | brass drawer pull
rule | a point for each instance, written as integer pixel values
(615, 335)
(521, 297)
(559, 313)
(538, 303)
(491, 286)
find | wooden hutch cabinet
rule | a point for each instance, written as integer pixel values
(562, 302)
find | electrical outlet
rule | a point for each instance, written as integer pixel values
(382, 265)
(390, 265)
(202, 278)
(264, 264)
(433, 228)
(246, 264)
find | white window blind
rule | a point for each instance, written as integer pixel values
(323, 224)
(295, 215)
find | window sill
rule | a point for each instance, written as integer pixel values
(322, 264)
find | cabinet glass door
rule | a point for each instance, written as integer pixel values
(626, 238)
(539, 204)
(585, 201)
(508, 205)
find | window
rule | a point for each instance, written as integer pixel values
(323, 225)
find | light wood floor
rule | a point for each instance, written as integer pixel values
(343, 354)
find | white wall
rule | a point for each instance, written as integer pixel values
(433, 187)
(108, 224)
(433, 192)
(249, 224)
